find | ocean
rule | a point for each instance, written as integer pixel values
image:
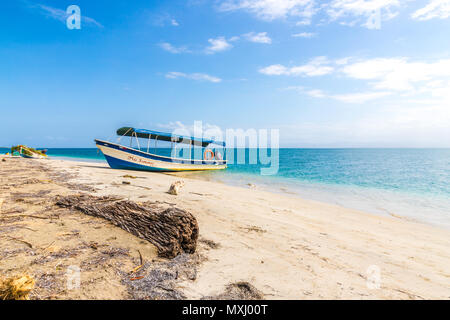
(413, 183)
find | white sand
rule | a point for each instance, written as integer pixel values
(290, 248)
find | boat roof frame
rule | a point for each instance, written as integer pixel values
(163, 136)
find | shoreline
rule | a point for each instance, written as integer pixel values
(381, 202)
(286, 247)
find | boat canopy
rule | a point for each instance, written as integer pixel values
(157, 135)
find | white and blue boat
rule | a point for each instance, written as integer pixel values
(120, 156)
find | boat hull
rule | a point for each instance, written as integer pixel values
(32, 157)
(121, 157)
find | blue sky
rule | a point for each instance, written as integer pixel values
(339, 73)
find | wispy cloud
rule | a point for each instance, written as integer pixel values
(315, 93)
(398, 80)
(353, 98)
(260, 37)
(318, 66)
(61, 15)
(219, 43)
(193, 76)
(394, 74)
(399, 73)
(343, 61)
(304, 35)
(163, 19)
(172, 49)
(367, 13)
(360, 97)
(272, 9)
(434, 9)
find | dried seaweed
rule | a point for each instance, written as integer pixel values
(211, 244)
(158, 281)
(16, 288)
(238, 291)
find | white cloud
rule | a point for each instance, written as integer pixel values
(170, 48)
(394, 74)
(337, 8)
(398, 74)
(305, 22)
(371, 11)
(367, 13)
(272, 9)
(318, 66)
(304, 35)
(360, 97)
(434, 9)
(260, 37)
(409, 104)
(400, 79)
(342, 61)
(193, 76)
(174, 22)
(220, 43)
(316, 93)
(217, 45)
(275, 70)
(175, 74)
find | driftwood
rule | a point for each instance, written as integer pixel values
(175, 187)
(172, 230)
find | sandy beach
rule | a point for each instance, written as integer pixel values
(284, 246)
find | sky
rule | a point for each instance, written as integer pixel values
(337, 73)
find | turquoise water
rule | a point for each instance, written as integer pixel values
(411, 182)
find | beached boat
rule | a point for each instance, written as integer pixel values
(27, 152)
(120, 156)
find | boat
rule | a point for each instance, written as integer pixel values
(120, 156)
(29, 153)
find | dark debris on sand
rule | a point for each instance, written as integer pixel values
(238, 291)
(158, 280)
(210, 244)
